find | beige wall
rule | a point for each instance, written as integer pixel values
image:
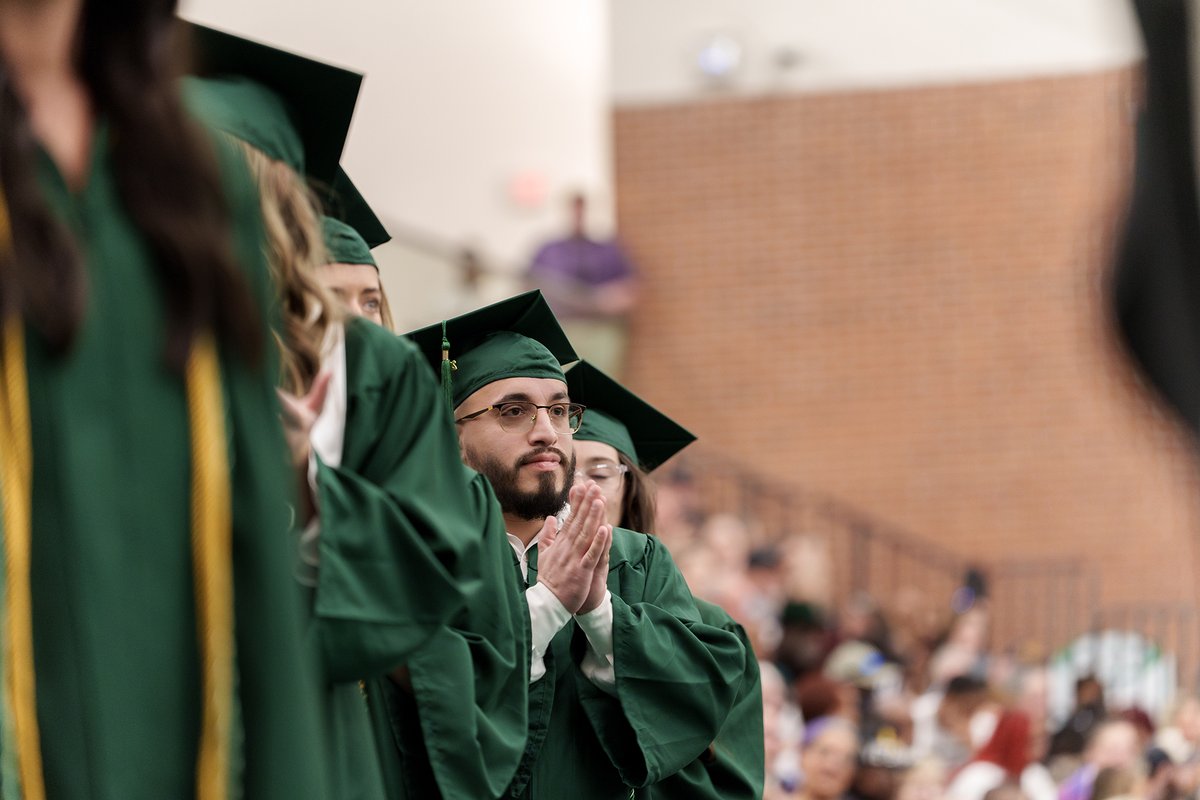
(863, 43)
(460, 98)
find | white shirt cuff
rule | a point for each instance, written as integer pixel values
(598, 662)
(309, 543)
(547, 616)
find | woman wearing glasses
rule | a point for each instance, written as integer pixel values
(621, 433)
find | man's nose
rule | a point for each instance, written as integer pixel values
(543, 431)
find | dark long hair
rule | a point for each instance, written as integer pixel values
(127, 55)
(637, 503)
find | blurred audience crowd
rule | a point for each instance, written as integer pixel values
(899, 698)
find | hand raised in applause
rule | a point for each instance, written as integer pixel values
(300, 414)
(567, 558)
(599, 582)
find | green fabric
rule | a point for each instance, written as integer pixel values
(503, 355)
(400, 551)
(112, 580)
(618, 417)
(600, 427)
(344, 244)
(734, 767)
(345, 202)
(319, 97)
(247, 111)
(518, 337)
(460, 733)
(676, 680)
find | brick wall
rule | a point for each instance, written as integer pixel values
(898, 297)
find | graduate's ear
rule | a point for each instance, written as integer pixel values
(463, 451)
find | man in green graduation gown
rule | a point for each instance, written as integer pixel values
(627, 684)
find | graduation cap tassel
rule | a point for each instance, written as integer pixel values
(448, 366)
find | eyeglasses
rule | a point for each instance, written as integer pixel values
(520, 415)
(603, 473)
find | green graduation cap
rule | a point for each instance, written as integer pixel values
(515, 338)
(344, 244)
(343, 201)
(618, 417)
(314, 99)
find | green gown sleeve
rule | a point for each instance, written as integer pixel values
(399, 547)
(460, 733)
(676, 677)
(733, 767)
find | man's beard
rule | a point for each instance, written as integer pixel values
(545, 501)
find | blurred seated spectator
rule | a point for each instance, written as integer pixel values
(819, 696)
(869, 682)
(1119, 782)
(592, 287)
(805, 640)
(1160, 776)
(942, 720)
(1005, 758)
(828, 758)
(808, 568)
(783, 727)
(727, 536)
(1007, 791)
(863, 620)
(764, 574)
(1142, 723)
(1113, 743)
(1071, 738)
(1181, 736)
(925, 780)
(882, 764)
(677, 514)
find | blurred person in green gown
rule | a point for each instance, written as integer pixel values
(451, 722)
(152, 628)
(393, 528)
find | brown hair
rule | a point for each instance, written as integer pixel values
(385, 308)
(167, 179)
(637, 502)
(296, 248)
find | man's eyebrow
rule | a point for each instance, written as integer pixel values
(513, 397)
(557, 396)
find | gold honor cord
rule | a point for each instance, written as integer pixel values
(16, 472)
(212, 552)
(212, 556)
(16, 477)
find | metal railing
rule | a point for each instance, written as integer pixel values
(1037, 607)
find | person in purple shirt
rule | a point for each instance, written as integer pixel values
(592, 287)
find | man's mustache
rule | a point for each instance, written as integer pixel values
(533, 454)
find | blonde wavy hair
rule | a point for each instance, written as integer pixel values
(295, 249)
